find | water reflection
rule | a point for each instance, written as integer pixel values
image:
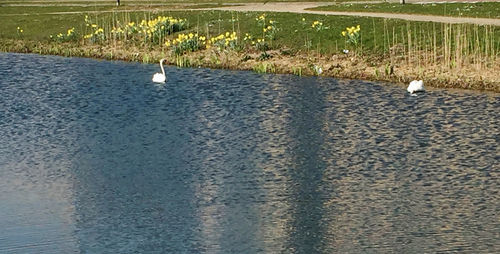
(95, 158)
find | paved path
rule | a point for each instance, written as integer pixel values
(300, 8)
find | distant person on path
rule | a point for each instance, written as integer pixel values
(117, 2)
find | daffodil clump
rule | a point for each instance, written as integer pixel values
(96, 33)
(154, 30)
(248, 38)
(187, 43)
(318, 26)
(70, 35)
(258, 43)
(269, 28)
(352, 34)
(19, 31)
(117, 31)
(130, 28)
(223, 41)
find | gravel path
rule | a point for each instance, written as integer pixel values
(300, 8)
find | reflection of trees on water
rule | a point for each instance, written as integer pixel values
(306, 117)
(273, 161)
(400, 177)
(293, 168)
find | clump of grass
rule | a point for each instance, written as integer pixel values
(297, 71)
(264, 67)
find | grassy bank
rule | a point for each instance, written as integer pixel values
(463, 56)
(477, 10)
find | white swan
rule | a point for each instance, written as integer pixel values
(160, 77)
(416, 86)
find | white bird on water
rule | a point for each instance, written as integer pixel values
(160, 77)
(416, 86)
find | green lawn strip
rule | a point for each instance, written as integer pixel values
(36, 10)
(482, 10)
(377, 34)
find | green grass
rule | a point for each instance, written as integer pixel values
(376, 34)
(36, 10)
(50, 9)
(483, 10)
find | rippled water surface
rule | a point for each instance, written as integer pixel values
(95, 158)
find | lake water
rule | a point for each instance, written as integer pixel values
(95, 158)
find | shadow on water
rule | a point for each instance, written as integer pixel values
(95, 158)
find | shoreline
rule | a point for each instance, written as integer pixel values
(346, 66)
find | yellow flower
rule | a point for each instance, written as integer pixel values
(343, 33)
(269, 28)
(167, 43)
(94, 25)
(227, 34)
(191, 35)
(303, 19)
(265, 30)
(21, 30)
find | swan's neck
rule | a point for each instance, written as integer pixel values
(161, 65)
